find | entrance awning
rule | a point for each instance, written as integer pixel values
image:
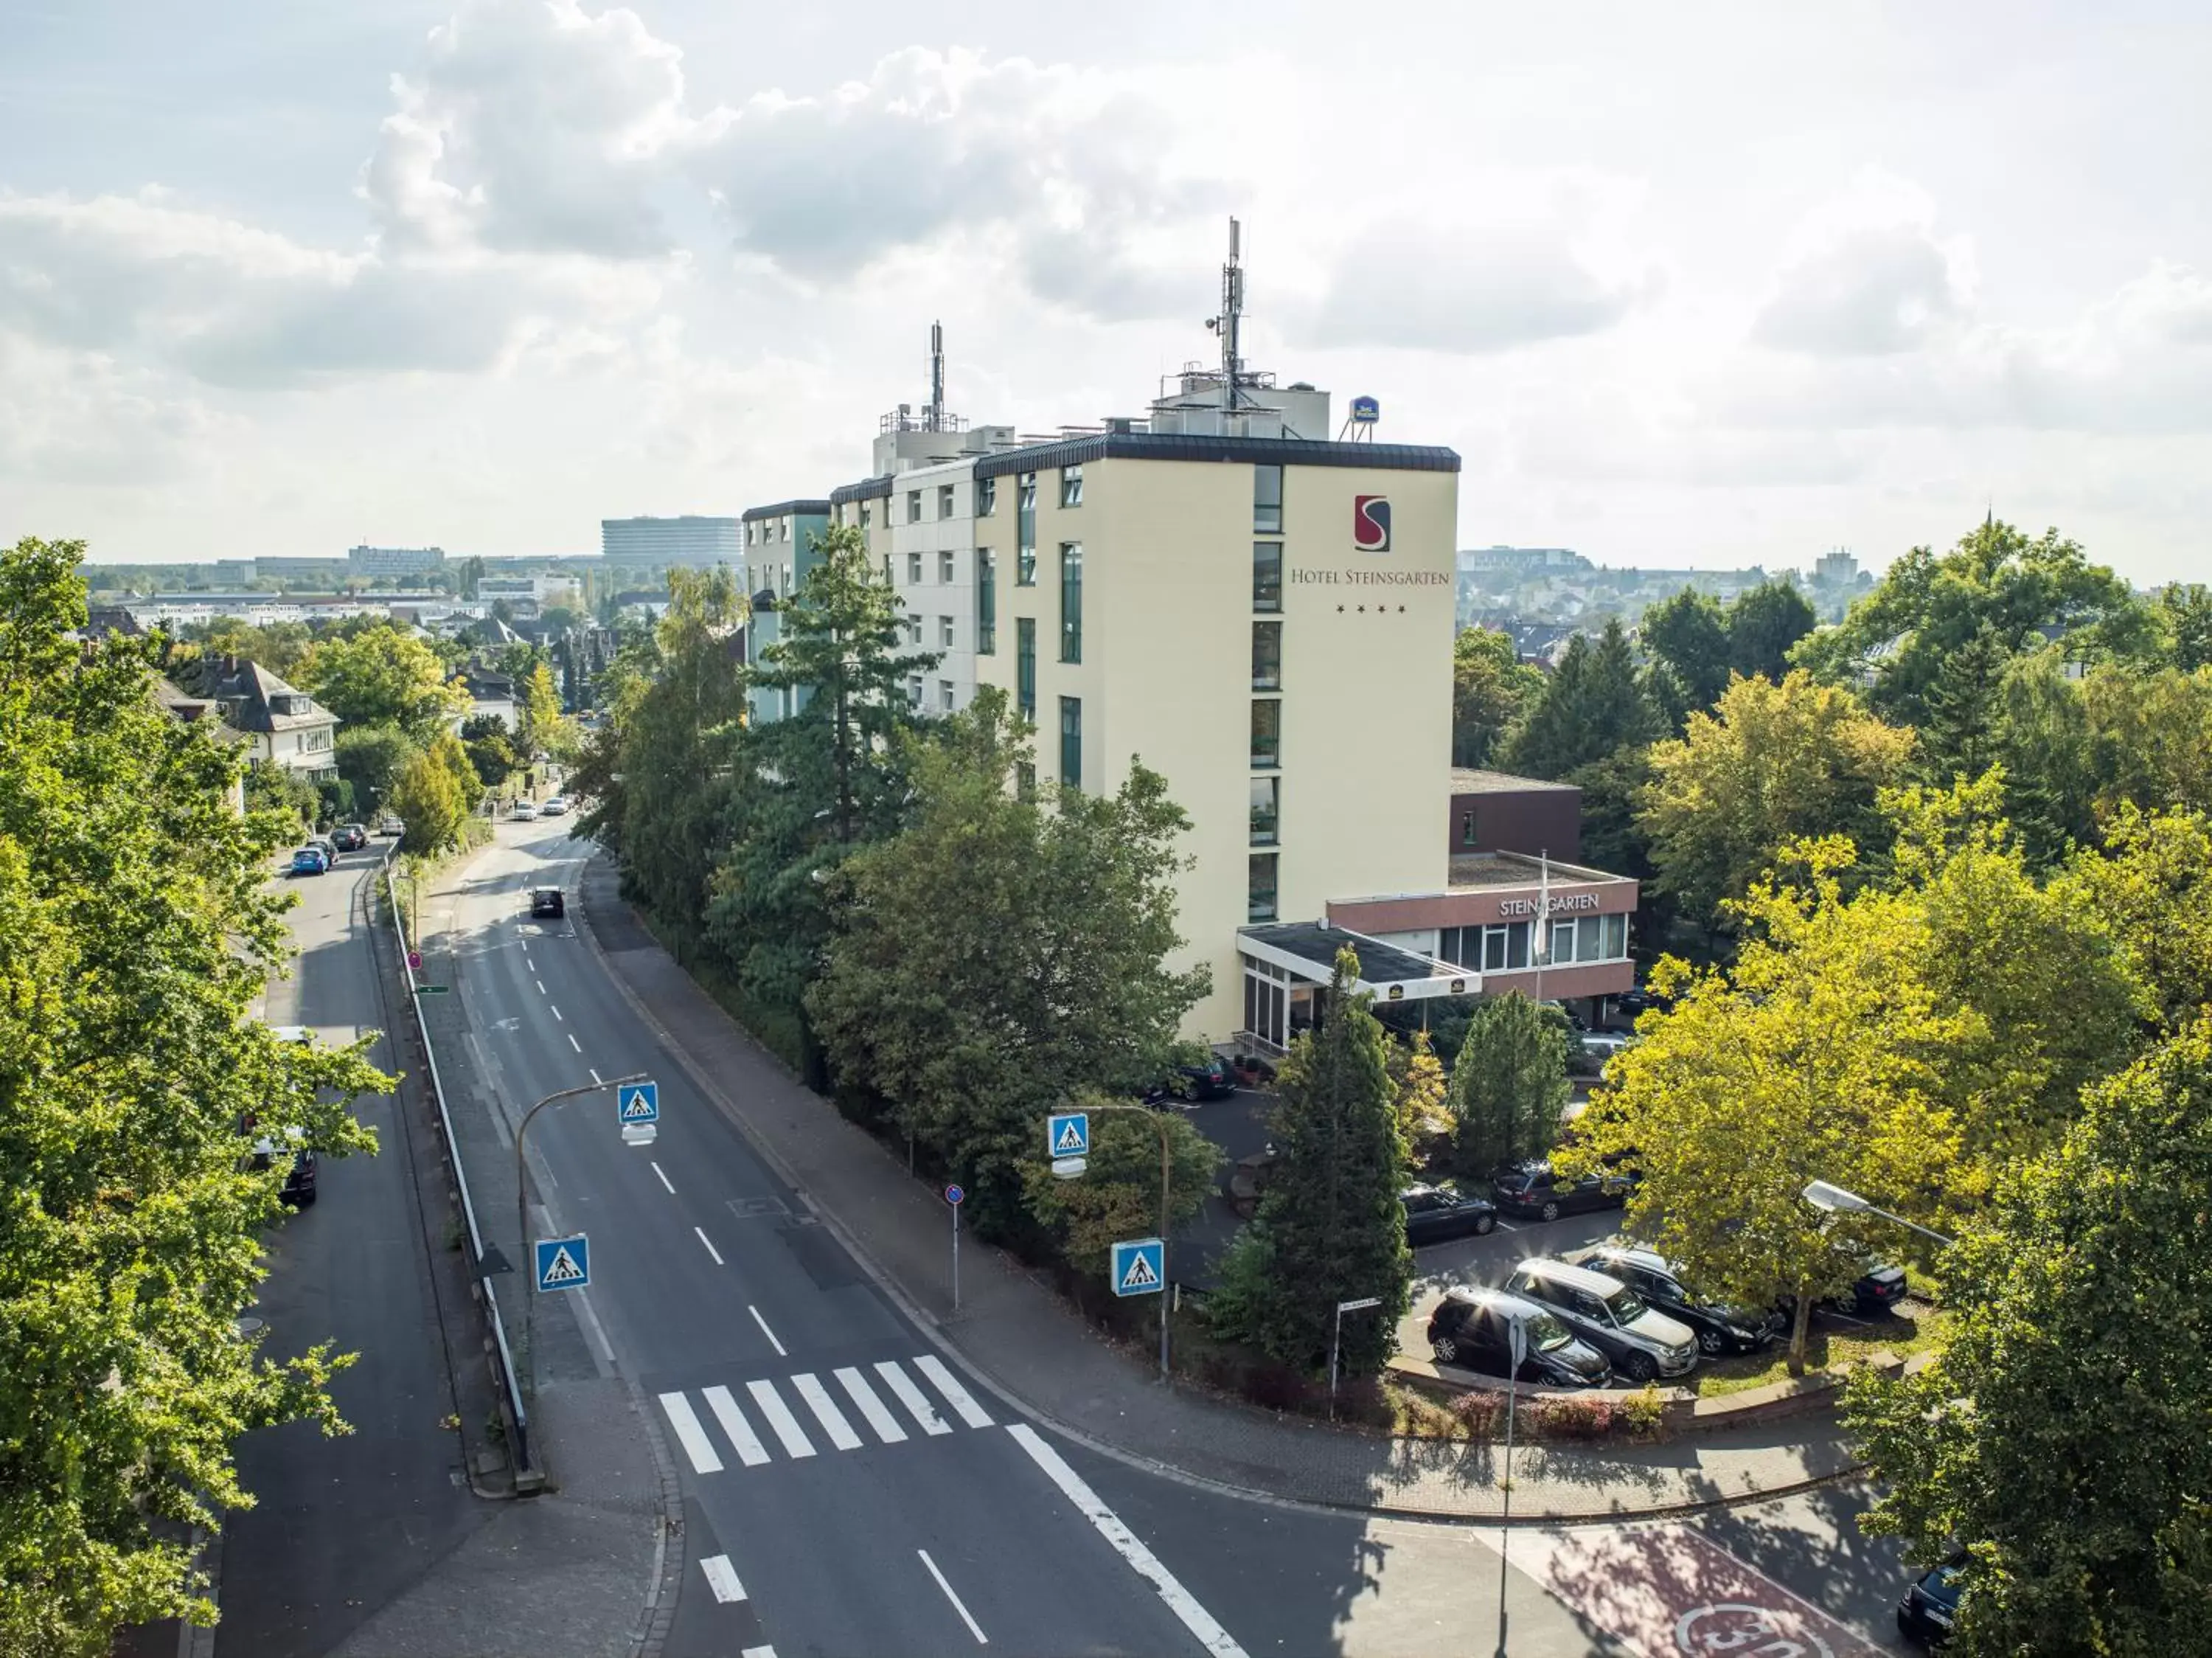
(1307, 951)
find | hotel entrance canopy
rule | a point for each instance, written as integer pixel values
(1307, 951)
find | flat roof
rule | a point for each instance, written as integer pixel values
(1308, 949)
(786, 509)
(868, 489)
(1177, 445)
(1469, 780)
(1478, 870)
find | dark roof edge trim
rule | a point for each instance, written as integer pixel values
(783, 509)
(1259, 451)
(868, 489)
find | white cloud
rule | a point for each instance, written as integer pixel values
(81, 418)
(1866, 275)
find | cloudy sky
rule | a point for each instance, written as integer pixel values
(1683, 285)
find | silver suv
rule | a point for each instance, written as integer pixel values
(1641, 1343)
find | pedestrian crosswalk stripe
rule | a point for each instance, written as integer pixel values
(955, 1395)
(722, 1578)
(795, 1441)
(751, 1451)
(885, 1424)
(826, 1412)
(689, 1434)
(916, 1402)
(758, 1652)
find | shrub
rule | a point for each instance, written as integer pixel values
(1479, 1415)
(1573, 1419)
(1639, 1415)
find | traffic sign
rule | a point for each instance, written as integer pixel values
(415, 958)
(1138, 1267)
(1067, 1134)
(954, 1195)
(1364, 1302)
(564, 1263)
(637, 1102)
(429, 990)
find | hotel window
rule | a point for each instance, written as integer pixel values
(1070, 601)
(887, 570)
(913, 689)
(914, 568)
(1562, 943)
(783, 530)
(864, 514)
(1506, 949)
(1071, 741)
(1616, 938)
(787, 589)
(1071, 486)
(914, 506)
(913, 629)
(945, 695)
(1025, 533)
(987, 497)
(944, 500)
(1260, 903)
(1267, 575)
(987, 602)
(1267, 810)
(1025, 780)
(1268, 500)
(1266, 732)
(1467, 828)
(1025, 666)
(945, 631)
(1266, 655)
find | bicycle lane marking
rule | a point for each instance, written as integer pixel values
(1670, 1593)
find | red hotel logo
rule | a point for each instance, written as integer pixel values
(1370, 523)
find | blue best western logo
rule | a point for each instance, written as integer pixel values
(1370, 523)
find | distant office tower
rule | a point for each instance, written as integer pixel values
(394, 561)
(697, 543)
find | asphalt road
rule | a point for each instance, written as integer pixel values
(848, 1491)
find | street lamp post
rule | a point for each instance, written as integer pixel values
(1834, 1200)
(522, 1211)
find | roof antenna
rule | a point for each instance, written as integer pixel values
(933, 417)
(1228, 324)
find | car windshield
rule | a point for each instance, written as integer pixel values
(1628, 1306)
(1548, 1333)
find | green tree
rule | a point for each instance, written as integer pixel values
(291, 800)
(2182, 616)
(2042, 740)
(1002, 951)
(136, 926)
(1509, 1087)
(1118, 1196)
(2061, 1433)
(371, 758)
(2154, 736)
(382, 676)
(2150, 886)
(1764, 625)
(544, 730)
(518, 659)
(1959, 707)
(1593, 706)
(490, 749)
(1419, 1089)
(1772, 763)
(277, 646)
(428, 801)
(1330, 1227)
(1491, 685)
(1689, 632)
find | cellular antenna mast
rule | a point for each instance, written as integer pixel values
(1232, 317)
(933, 419)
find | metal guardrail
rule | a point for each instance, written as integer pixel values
(508, 1382)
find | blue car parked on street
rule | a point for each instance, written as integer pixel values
(309, 861)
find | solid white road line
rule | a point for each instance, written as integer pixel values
(574, 1043)
(709, 1242)
(1195, 1617)
(663, 1180)
(955, 1395)
(596, 1077)
(556, 1006)
(916, 1402)
(795, 1441)
(974, 1628)
(758, 1652)
(689, 1434)
(751, 1451)
(826, 1412)
(541, 985)
(722, 1578)
(528, 965)
(765, 1331)
(885, 1424)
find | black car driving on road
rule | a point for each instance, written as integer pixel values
(1719, 1328)
(1434, 1213)
(549, 903)
(1532, 1192)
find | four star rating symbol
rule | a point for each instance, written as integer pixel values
(1380, 610)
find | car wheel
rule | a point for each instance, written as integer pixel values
(1445, 1349)
(1550, 1211)
(1485, 1225)
(1712, 1343)
(1639, 1367)
(1846, 1304)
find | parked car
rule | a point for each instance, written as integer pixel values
(522, 811)
(1531, 1190)
(1434, 1213)
(349, 838)
(548, 902)
(310, 861)
(389, 825)
(1213, 1078)
(1474, 1329)
(553, 807)
(326, 846)
(1639, 1342)
(1719, 1328)
(1635, 1003)
(299, 1180)
(1878, 1289)
(1931, 1607)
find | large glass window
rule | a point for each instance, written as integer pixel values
(1260, 904)
(1070, 601)
(1025, 666)
(1266, 732)
(1071, 741)
(1071, 486)
(1562, 943)
(1268, 500)
(1025, 532)
(1590, 938)
(1267, 575)
(987, 603)
(1267, 810)
(1266, 655)
(1616, 938)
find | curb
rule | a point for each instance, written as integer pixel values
(933, 1328)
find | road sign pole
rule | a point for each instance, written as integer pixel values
(955, 1259)
(1335, 1341)
(1516, 1349)
(1166, 1279)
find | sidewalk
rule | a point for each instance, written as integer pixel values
(1020, 1335)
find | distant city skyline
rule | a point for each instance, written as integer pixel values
(1683, 288)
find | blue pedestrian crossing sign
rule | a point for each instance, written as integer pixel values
(564, 1263)
(1067, 1134)
(637, 1102)
(1139, 1267)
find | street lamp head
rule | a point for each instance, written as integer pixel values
(1834, 1199)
